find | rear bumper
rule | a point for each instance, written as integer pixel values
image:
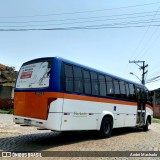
(53, 122)
(29, 121)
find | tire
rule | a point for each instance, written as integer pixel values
(145, 128)
(106, 127)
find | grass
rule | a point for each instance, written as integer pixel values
(9, 111)
(155, 120)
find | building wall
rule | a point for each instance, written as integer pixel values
(6, 92)
(156, 103)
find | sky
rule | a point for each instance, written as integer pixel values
(102, 34)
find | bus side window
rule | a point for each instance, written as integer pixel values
(127, 91)
(116, 88)
(122, 89)
(87, 82)
(68, 78)
(132, 91)
(110, 88)
(94, 82)
(138, 92)
(78, 83)
(102, 85)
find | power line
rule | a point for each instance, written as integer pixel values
(149, 43)
(87, 11)
(154, 78)
(98, 20)
(101, 26)
(112, 24)
(154, 73)
(143, 67)
(148, 14)
(155, 30)
(153, 81)
(145, 52)
(155, 67)
(145, 33)
(82, 27)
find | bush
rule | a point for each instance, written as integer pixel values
(9, 111)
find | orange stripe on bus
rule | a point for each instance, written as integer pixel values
(105, 100)
(148, 106)
(26, 102)
(95, 99)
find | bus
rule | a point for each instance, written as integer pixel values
(60, 95)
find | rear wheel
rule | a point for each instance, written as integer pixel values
(145, 128)
(106, 127)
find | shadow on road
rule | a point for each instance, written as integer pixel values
(43, 141)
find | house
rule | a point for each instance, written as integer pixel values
(7, 81)
(156, 103)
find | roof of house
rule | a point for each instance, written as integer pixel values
(7, 77)
(2, 67)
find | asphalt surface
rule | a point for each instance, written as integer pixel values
(14, 137)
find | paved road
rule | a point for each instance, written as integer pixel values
(14, 137)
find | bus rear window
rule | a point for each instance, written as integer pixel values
(34, 74)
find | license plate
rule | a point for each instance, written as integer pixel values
(27, 121)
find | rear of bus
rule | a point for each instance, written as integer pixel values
(37, 101)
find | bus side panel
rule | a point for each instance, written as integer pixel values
(55, 115)
(130, 119)
(54, 121)
(56, 106)
(79, 115)
(83, 114)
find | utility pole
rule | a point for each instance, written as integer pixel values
(143, 67)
